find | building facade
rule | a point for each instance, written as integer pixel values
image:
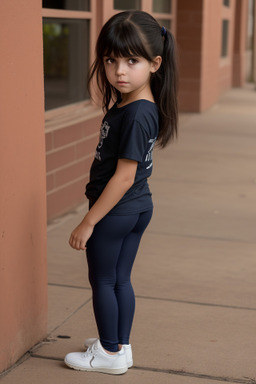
(211, 39)
(49, 125)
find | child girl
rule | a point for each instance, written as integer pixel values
(135, 68)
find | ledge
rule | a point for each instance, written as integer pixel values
(65, 116)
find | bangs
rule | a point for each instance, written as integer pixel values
(125, 40)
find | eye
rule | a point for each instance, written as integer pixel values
(109, 60)
(132, 60)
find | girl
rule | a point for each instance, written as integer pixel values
(135, 67)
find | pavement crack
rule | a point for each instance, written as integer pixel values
(46, 357)
(196, 303)
(244, 380)
(68, 286)
(201, 237)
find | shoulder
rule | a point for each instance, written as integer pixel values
(143, 112)
(140, 108)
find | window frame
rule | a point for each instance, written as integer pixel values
(147, 6)
(227, 14)
(171, 17)
(57, 115)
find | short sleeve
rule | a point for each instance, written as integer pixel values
(133, 142)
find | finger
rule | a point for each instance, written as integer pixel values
(75, 244)
(80, 245)
(71, 240)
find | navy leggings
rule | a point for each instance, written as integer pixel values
(111, 252)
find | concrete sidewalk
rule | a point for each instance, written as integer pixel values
(195, 274)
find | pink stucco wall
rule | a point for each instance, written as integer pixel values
(23, 277)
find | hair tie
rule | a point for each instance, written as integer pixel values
(163, 31)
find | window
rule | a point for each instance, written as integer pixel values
(226, 3)
(127, 4)
(65, 61)
(162, 6)
(227, 22)
(224, 44)
(162, 10)
(66, 35)
(250, 26)
(70, 32)
(75, 5)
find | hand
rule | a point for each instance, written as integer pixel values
(80, 236)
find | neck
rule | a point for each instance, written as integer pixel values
(144, 93)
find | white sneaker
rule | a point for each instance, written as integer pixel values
(127, 350)
(96, 359)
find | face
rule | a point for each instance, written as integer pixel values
(129, 75)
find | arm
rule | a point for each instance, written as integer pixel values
(118, 185)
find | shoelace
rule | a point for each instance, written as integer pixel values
(90, 351)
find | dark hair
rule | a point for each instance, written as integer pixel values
(136, 33)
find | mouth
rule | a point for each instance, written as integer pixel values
(122, 83)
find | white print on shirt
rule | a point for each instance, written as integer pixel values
(149, 155)
(103, 134)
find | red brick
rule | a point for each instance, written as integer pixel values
(190, 17)
(73, 172)
(189, 5)
(189, 102)
(92, 126)
(65, 199)
(76, 132)
(190, 70)
(189, 44)
(62, 157)
(190, 86)
(86, 147)
(67, 135)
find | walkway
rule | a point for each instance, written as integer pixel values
(195, 275)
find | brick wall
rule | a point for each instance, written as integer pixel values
(204, 74)
(189, 42)
(69, 153)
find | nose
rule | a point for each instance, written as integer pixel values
(120, 68)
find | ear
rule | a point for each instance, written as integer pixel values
(155, 64)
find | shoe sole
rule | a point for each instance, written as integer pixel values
(110, 371)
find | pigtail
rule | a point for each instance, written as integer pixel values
(164, 86)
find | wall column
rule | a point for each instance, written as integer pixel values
(239, 57)
(254, 44)
(23, 272)
(189, 42)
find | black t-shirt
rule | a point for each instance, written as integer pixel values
(128, 132)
